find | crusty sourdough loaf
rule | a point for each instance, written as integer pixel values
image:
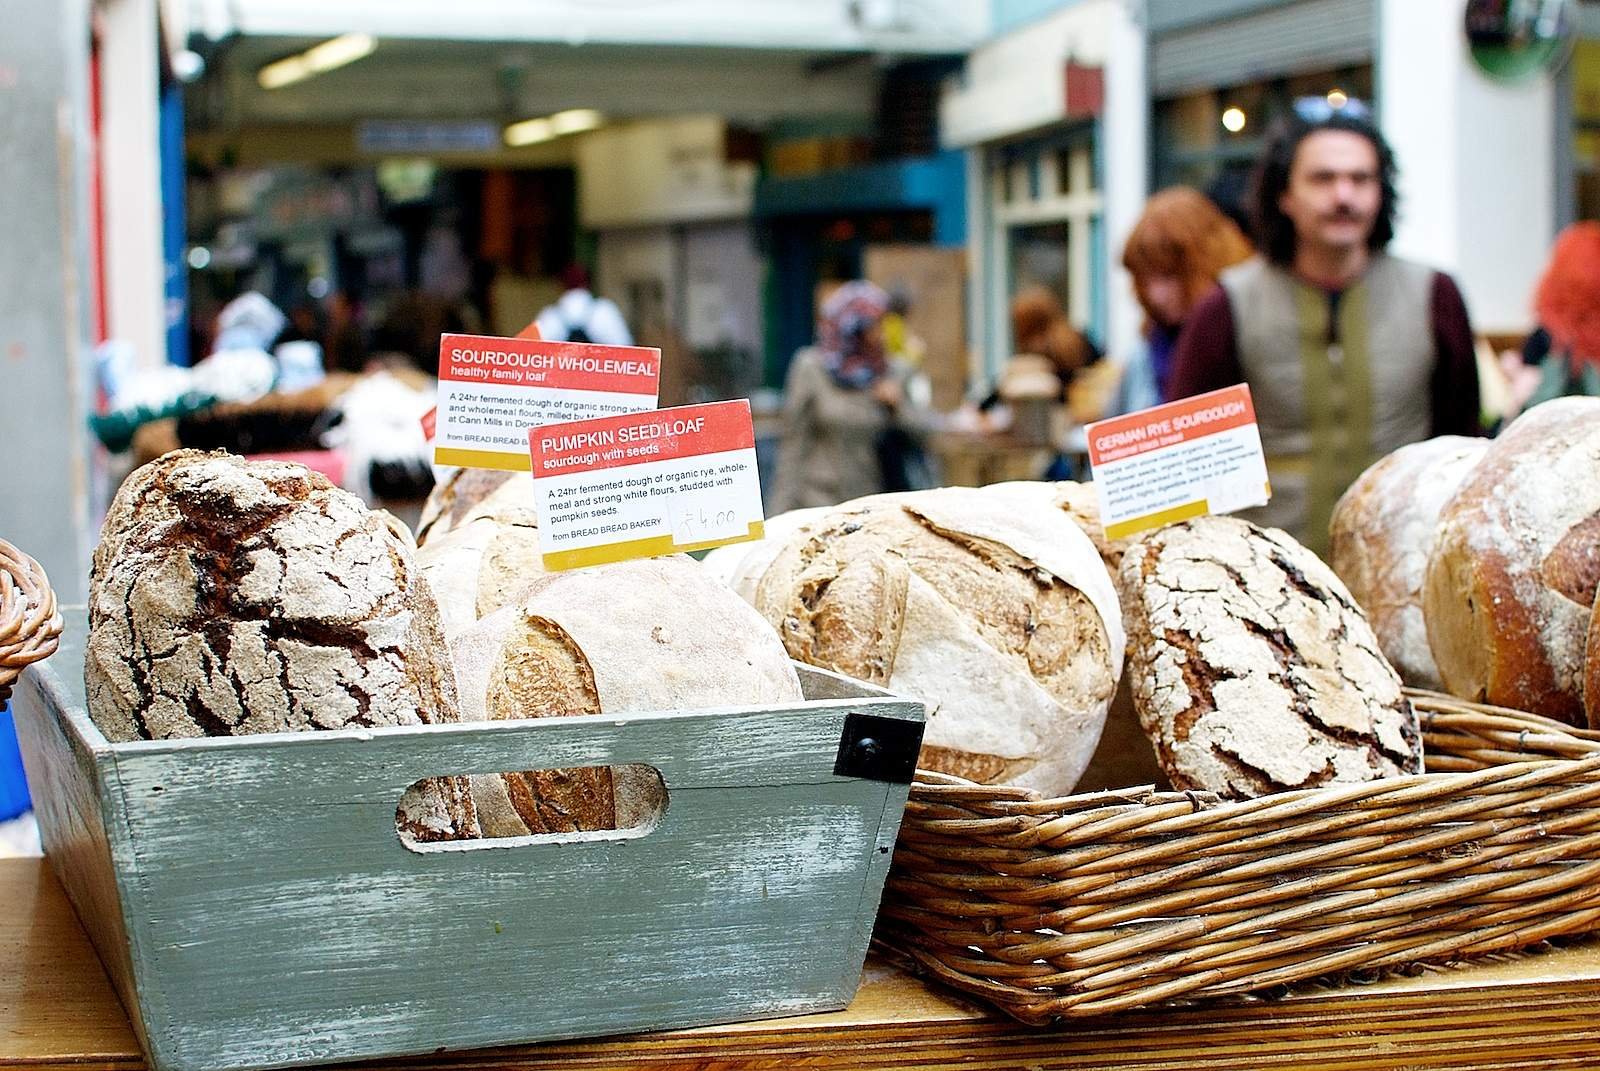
(1591, 679)
(994, 611)
(1253, 670)
(634, 636)
(464, 493)
(1081, 502)
(1512, 576)
(1382, 531)
(230, 597)
(740, 565)
(478, 566)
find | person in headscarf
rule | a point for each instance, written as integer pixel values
(844, 403)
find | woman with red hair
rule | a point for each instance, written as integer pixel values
(1175, 253)
(1567, 344)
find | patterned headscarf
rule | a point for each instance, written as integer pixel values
(851, 352)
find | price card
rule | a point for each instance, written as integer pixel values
(492, 390)
(1184, 459)
(647, 484)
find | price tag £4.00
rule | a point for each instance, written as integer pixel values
(645, 484)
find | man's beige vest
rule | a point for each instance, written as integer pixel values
(1330, 402)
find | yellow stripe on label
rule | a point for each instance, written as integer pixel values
(651, 547)
(483, 459)
(1129, 527)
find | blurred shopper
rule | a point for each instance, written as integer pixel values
(579, 316)
(1175, 254)
(1565, 347)
(1039, 325)
(845, 404)
(1349, 352)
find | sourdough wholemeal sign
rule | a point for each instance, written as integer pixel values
(492, 390)
(645, 484)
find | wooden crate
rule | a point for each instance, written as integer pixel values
(255, 907)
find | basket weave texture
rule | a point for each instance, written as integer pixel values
(30, 624)
(1053, 909)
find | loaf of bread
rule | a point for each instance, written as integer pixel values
(230, 597)
(739, 565)
(464, 493)
(1382, 531)
(1591, 680)
(478, 566)
(1253, 670)
(1079, 501)
(634, 636)
(995, 612)
(1512, 576)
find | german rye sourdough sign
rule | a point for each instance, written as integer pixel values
(492, 390)
(647, 484)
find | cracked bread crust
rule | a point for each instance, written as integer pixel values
(230, 597)
(1253, 670)
(1511, 579)
(995, 610)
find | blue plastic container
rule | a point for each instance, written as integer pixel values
(14, 798)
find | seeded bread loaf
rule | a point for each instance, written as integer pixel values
(1382, 531)
(1253, 670)
(634, 636)
(230, 597)
(994, 611)
(739, 565)
(1511, 579)
(464, 493)
(478, 566)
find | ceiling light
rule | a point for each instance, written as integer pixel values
(318, 59)
(534, 131)
(1233, 120)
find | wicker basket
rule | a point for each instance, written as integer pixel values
(30, 625)
(1057, 909)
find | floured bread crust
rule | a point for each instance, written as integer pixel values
(230, 597)
(994, 610)
(466, 493)
(1253, 670)
(1383, 528)
(479, 566)
(1511, 581)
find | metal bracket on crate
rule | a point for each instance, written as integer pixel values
(878, 748)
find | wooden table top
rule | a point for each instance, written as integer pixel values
(57, 1010)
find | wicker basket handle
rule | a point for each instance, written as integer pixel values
(30, 624)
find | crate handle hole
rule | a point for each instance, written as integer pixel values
(549, 806)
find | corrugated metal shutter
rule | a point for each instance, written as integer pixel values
(1311, 35)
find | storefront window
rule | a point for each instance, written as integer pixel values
(1586, 128)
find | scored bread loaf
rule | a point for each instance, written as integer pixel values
(1253, 670)
(466, 493)
(1511, 579)
(478, 566)
(230, 597)
(994, 611)
(739, 565)
(1081, 502)
(635, 636)
(1381, 533)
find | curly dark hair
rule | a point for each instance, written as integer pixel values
(1274, 231)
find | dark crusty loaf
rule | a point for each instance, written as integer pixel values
(1382, 531)
(1253, 670)
(1512, 576)
(230, 597)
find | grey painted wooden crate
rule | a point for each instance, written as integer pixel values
(255, 906)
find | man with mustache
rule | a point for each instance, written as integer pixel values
(1350, 353)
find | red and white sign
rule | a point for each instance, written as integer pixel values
(1184, 459)
(492, 390)
(645, 484)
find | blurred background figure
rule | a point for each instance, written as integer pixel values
(847, 410)
(1039, 325)
(1175, 254)
(1562, 355)
(579, 316)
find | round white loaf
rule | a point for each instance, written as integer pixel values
(463, 494)
(478, 566)
(634, 636)
(230, 597)
(995, 612)
(1382, 530)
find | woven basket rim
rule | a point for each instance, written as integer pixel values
(30, 622)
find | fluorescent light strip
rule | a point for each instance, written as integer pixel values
(534, 131)
(318, 59)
